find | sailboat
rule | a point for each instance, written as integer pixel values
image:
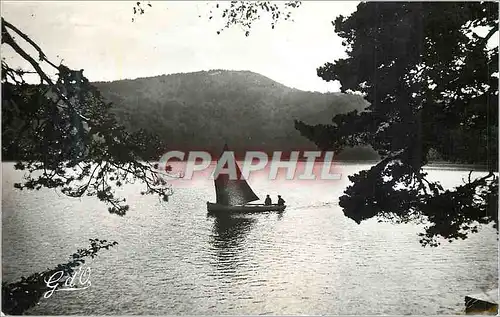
(234, 196)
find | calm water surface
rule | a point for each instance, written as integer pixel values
(174, 259)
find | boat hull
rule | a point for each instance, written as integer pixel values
(218, 208)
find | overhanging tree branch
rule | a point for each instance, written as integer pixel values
(59, 138)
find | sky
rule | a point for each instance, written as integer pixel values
(171, 37)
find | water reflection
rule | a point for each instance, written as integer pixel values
(280, 214)
(228, 240)
(229, 231)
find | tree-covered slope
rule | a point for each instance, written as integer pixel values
(202, 110)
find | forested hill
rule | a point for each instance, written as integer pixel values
(202, 110)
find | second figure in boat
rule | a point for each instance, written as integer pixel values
(281, 201)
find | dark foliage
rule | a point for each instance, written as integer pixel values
(241, 13)
(245, 13)
(19, 296)
(431, 84)
(139, 8)
(64, 135)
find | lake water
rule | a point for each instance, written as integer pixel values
(174, 259)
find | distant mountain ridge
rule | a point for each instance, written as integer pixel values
(203, 110)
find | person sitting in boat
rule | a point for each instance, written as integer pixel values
(281, 201)
(268, 201)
